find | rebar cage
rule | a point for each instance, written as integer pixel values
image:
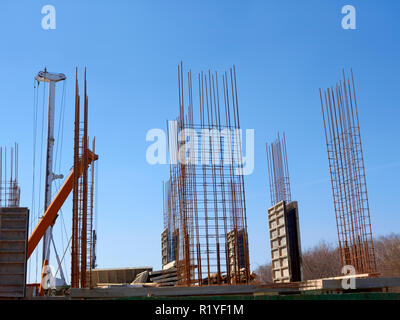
(9, 188)
(83, 236)
(349, 188)
(205, 208)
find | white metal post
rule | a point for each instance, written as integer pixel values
(49, 166)
(51, 78)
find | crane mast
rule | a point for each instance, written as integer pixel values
(51, 79)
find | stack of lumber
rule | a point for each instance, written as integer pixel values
(159, 278)
(167, 277)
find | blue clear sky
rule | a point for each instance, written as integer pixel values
(283, 51)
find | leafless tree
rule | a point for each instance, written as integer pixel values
(264, 273)
(322, 260)
(387, 251)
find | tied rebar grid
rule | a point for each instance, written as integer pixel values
(9, 189)
(278, 171)
(205, 213)
(346, 163)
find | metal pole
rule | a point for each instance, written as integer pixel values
(49, 166)
(51, 78)
(58, 260)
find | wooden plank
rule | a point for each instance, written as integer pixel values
(159, 272)
(170, 279)
(172, 275)
(125, 285)
(164, 284)
(141, 277)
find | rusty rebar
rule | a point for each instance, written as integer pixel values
(9, 187)
(205, 211)
(347, 171)
(278, 171)
(82, 203)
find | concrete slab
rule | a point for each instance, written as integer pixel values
(360, 284)
(115, 292)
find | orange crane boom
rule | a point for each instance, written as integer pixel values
(51, 213)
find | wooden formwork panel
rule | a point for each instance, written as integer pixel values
(235, 241)
(284, 243)
(278, 243)
(169, 248)
(13, 248)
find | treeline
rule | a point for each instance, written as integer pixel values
(322, 261)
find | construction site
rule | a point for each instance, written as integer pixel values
(204, 247)
(199, 150)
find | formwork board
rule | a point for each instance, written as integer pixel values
(13, 248)
(235, 248)
(285, 242)
(168, 246)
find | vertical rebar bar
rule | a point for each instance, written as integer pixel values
(347, 171)
(278, 171)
